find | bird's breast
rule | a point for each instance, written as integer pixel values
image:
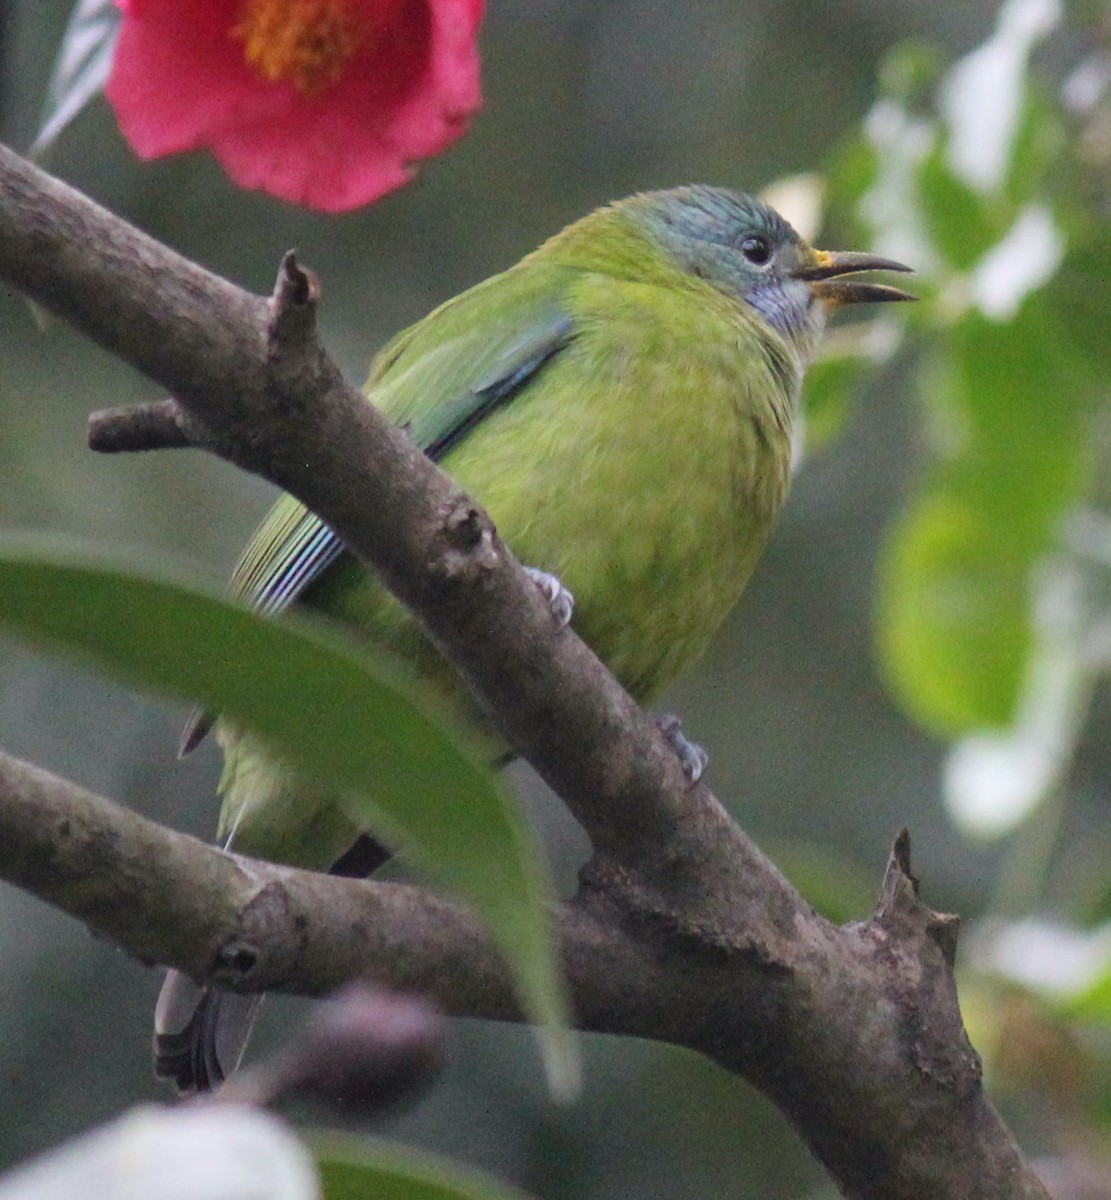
(645, 466)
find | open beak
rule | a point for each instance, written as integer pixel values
(823, 269)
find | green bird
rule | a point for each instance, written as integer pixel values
(621, 403)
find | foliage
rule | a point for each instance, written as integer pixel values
(352, 1167)
(406, 775)
(993, 601)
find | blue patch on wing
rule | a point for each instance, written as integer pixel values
(294, 575)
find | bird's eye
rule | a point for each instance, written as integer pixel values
(756, 250)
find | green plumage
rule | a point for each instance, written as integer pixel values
(643, 464)
(621, 402)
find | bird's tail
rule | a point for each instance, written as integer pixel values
(200, 1033)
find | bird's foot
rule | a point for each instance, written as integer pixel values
(692, 758)
(559, 598)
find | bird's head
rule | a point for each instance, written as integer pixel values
(748, 251)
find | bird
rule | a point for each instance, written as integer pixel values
(621, 401)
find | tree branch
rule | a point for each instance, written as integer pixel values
(159, 426)
(854, 1032)
(682, 929)
(255, 926)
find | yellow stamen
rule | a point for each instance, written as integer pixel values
(304, 42)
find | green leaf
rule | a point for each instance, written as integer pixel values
(1039, 147)
(343, 719)
(850, 175)
(1021, 423)
(1093, 1004)
(834, 883)
(354, 1168)
(1079, 303)
(832, 384)
(953, 617)
(1012, 437)
(909, 72)
(958, 219)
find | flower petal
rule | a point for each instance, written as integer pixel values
(180, 81)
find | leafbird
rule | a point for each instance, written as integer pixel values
(621, 403)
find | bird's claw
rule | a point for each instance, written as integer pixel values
(692, 758)
(560, 600)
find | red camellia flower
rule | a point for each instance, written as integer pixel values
(326, 103)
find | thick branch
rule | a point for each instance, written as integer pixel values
(255, 926)
(855, 1033)
(682, 930)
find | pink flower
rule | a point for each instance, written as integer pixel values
(325, 103)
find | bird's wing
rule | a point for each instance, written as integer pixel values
(439, 378)
(494, 371)
(290, 549)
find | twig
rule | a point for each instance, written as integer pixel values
(159, 426)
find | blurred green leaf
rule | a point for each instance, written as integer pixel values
(354, 1168)
(837, 885)
(1037, 151)
(344, 719)
(1094, 1003)
(831, 386)
(957, 217)
(1022, 450)
(953, 617)
(849, 177)
(1079, 301)
(909, 70)
(1012, 436)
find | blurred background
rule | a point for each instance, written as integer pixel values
(818, 739)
